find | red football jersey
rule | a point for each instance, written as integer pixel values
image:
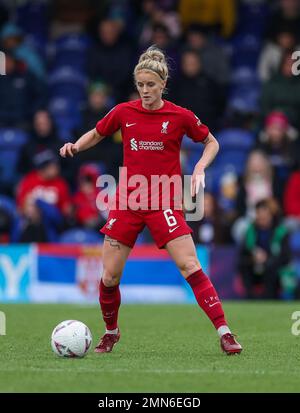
(152, 138)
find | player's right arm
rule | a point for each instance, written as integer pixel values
(105, 127)
(86, 141)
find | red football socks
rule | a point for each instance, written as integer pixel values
(207, 297)
(110, 300)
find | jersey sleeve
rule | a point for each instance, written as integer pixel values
(194, 128)
(110, 123)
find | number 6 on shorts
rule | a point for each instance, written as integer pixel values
(171, 220)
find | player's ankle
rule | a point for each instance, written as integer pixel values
(114, 331)
(223, 330)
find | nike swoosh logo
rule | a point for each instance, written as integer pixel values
(173, 229)
(130, 124)
(211, 305)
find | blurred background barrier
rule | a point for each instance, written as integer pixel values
(70, 273)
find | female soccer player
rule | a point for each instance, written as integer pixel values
(152, 130)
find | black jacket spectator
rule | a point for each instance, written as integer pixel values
(21, 94)
(43, 136)
(110, 59)
(196, 91)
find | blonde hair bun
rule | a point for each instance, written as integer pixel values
(153, 53)
(153, 59)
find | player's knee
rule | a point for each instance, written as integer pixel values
(110, 278)
(189, 266)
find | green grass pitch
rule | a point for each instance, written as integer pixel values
(163, 348)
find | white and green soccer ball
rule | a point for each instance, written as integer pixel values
(71, 338)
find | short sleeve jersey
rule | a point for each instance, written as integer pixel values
(152, 138)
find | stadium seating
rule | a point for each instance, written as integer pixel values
(8, 204)
(69, 50)
(253, 16)
(244, 75)
(246, 50)
(68, 82)
(243, 102)
(32, 16)
(235, 139)
(66, 115)
(295, 241)
(11, 142)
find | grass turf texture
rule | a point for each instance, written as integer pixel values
(163, 348)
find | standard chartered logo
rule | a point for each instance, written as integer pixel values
(2, 324)
(146, 145)
(133, 144)
(151, 146)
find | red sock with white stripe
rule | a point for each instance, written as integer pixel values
(110, 301)
(208, 300)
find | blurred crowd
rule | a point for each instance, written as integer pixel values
(232, 62)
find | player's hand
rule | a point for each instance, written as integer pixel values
(69, 149)
(198, 178)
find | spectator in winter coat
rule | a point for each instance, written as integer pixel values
(282, 92)
(196, 91)
(21, 94)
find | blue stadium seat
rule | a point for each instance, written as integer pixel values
(77, 61)
(8, 204)
(215, 173)
(232, 159)
(72, 42)
(244, 103)
(245, 76)
(63, 106)
(253, 17)
(68, 82)
(12, 138)
(66, 115)
(67, 75)
(295, 241)
(246, 50)
(32, 17)
(70, 50)
(235, 139)
(80, 236)
(65, 127)
(74, 92)
(11, 142)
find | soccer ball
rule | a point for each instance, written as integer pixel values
(71, 338)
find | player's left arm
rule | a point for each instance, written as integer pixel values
(211, 148)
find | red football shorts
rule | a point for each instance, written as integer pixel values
(125, 225)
